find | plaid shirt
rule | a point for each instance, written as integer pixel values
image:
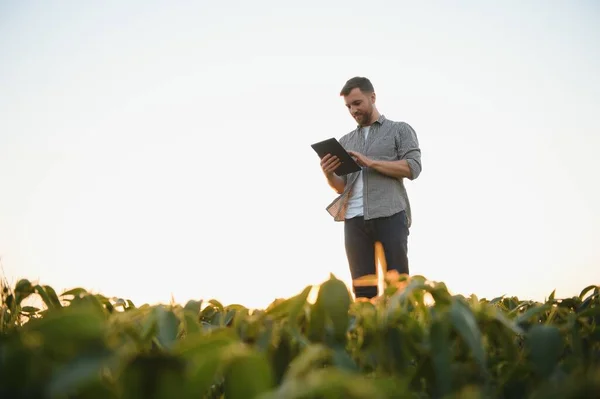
(383, 195)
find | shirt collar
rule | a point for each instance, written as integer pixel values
(379, 120)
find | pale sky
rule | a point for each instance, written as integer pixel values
(158, 149)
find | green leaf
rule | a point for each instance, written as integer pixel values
(52, 295)
(576, 342)
(264, 338)
(397, 344)
(148, 326)
(316, 324)
(154, 376)
(400, 298)
(342, 360)
(287, 307)
(590, 312)
(532, 312)
(66, 324)
(440, 353)
(167, 326)
(313, 356)
(217, 304)
(282, 356)
(506, 322)
(91, 302)
(333, 383)
(465, 324)
(192, 325)
(393, 387)
(296, 305)
(78, 292)
(194, 346)
(120, 302)
(440, 294)
(545, 346)
(335, 299)
(588, 289)
(229, 315)
(193, 306)
(104, 301)
(50, 304)
(248, 375)
(204, 354)
(23, 289)
(78, 372)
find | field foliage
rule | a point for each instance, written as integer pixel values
(85, 345)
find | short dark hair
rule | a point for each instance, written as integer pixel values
(359, 82)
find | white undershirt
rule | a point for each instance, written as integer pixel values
(355, 203)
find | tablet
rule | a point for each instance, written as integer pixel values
(333, 147)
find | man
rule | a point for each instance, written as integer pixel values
(373, 202)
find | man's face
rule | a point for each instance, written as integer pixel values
(360, 106)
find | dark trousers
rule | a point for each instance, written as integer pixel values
(360, 237)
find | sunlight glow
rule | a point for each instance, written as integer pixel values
(160, 153)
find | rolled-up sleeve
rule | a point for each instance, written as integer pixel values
(408, 148)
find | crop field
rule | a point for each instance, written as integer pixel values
(416, 341)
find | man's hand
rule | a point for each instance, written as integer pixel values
(361, 159)
(329, 164)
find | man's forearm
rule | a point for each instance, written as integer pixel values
(397, 169)
(336, 182)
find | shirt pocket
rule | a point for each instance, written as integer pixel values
(384, 149)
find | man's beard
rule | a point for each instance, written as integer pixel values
(364, 119)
